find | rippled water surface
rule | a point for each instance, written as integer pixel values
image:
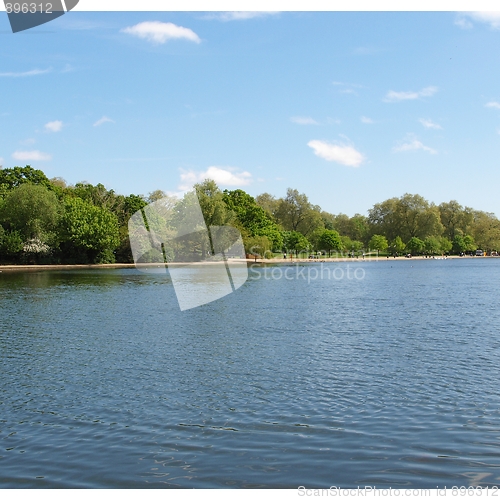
(390, 380)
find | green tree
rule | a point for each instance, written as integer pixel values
(329, 240)
(458, 244)
(293, 241)
(90, 233)
(296, 213)
(11, 178)
(378, 242)
(455, 218)
(469, 244)
(259, 246)
(252, 217)
(409, 216)
(351, 246)
(486, 231)
(11, 244)
(397, 245)
(355, 227)
(268, 202)
(432, 245)
(32, 210)
(445, 245)
(415, 246)
(211, 199)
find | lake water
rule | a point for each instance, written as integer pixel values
(392, 379)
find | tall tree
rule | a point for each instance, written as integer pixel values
(486, 231)
(296, 213)
(455, 218)
(268, 202)
(211, 198)
(410, 216)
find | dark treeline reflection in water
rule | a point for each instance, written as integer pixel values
(390, 380)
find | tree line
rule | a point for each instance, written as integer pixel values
(45, 220)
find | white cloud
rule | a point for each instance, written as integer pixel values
(1, 161)
(55, 126)
(463, 23)
(430, 124)
(223, 176)
(158, 32)
(240, 16)
(393, 96)
(413, 144)
(339, 153)
(31, 156)
(493, 104)
(365, 119)
(489, 17)
(33, 72)
(303, 120)
(102, 120)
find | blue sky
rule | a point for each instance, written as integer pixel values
(350, 108)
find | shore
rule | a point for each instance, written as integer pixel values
(54, 267)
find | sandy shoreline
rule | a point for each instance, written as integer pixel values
(53, 267)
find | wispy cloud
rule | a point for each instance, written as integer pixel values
(339, 153)
(348, 88)
(55, 126)
(303, 120)
(158, 33)
(365, 119)
(489, 17)
(1, 161)
(493, 104)
(239, 16)
(68, 69)
(223, 176)
(430, 124)
(33, 72)
(413, 144)
(31, 156)
(102, 120)
(393, 96)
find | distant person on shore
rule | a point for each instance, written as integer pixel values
(284, 255)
